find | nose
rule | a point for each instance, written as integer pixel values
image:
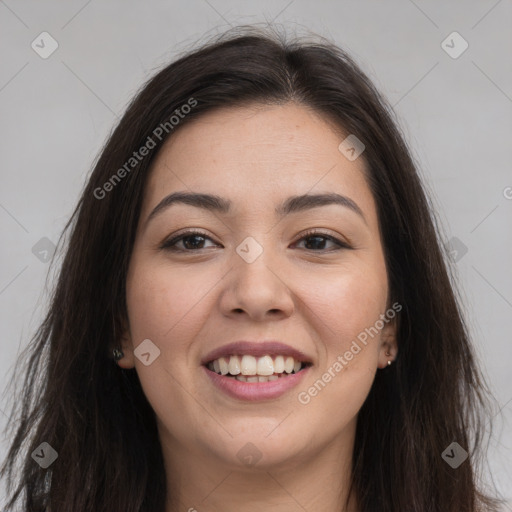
(259, 290)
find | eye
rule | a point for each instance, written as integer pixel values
(191, 240)
(317, 241)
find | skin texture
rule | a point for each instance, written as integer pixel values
(299, 291)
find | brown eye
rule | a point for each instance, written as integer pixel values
(191, 241)
(316, 240)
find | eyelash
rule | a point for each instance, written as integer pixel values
(170, 245)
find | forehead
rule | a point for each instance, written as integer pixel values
(257, 155)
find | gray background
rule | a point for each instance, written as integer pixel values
(455, 113)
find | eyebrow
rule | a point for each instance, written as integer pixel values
(293, 204)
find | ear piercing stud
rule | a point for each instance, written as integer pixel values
(118, 354)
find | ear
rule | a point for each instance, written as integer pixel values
(124, 342)
(389, 347)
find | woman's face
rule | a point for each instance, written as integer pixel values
(255, 274)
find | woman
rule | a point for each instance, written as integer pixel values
(254, 309)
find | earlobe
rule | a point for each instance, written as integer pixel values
(123, 351)
(124, 356)
(387, 355)
(389, 346)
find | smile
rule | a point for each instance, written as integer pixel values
(250, 378)
(248, 368)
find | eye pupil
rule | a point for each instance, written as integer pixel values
(194, 246)
(321, 238)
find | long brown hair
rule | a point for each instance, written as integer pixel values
(95, 415)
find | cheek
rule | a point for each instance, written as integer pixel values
(169, 308)
(330, 407)
(347, 304)
(165, 304)
(149, 305)
(346, 307)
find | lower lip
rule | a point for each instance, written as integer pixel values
(253, 391)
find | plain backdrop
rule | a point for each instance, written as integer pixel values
(454, 107)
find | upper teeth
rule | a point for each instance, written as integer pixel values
(250, 365)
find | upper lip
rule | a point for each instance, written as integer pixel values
(256, 349)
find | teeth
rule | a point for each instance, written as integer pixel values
(234, 365)
(223, 365)
(288, 364)
(266, 366)
(248, 368)
(279, 364)
(248, 365)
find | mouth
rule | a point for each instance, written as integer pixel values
(252, 369)
(255, 371)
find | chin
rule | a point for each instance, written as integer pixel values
(259, 450)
